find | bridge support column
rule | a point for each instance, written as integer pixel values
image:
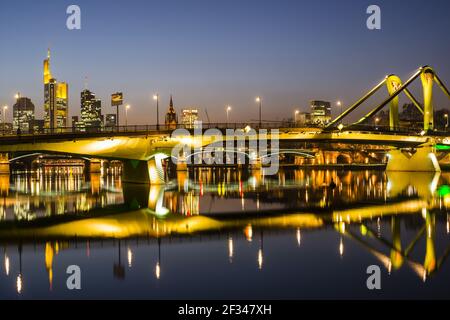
(427, 78)
(95, 166)
(4, 163)
(144, 172)
(422, 159)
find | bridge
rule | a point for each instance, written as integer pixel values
(143, 149)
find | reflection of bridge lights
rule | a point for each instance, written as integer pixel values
(230, 249)
(341, 247)
(19, 284)
(260, 259)
(448, 225)
(248, 231)
(299, 237)
(390, 267)
(130, 257)
(424, 213)
(363, 230)
(6, 265)
(158, 271)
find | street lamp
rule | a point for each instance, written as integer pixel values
(446, 124)
(228, 114)
(295, 116)
(4, 118)
(126, 114)
(156, 98)
(259, 100)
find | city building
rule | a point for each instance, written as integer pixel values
(320, 112)
(302, 118)
(91, 111)
(56, 99)
(188, 117)
(6, 128)
(171, 116)
(23, 114)
(111, 120)
(38, 125)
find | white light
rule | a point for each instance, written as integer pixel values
(158, 271)
(6, 265)
(341, 247)
(19, 283)
(299, 237)
(260, 259)
(230, 249)
(130, 257)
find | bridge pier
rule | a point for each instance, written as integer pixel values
(421, 159)
(95, 166)
(4, 164)
(144, 172)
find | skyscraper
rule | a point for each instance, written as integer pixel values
(188, 117)
(91, 110)
(320, 112)
(111, 120)
(56, 99)
(23, 114)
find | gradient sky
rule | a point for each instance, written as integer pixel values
(209, 53)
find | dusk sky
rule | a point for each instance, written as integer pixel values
(212, 53)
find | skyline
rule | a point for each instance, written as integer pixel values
(187, 49)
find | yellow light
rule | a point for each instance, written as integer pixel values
(128, 106)
(340, 127)
(339, 103)
(248, 231)
(258, 99)
(155, 97)
(17, 96)
(229, 108)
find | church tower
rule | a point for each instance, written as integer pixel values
(171, 116)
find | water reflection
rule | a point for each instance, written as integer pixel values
(398, 219)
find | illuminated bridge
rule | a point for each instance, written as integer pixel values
(143, 148)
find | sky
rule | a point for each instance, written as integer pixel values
(213, 53)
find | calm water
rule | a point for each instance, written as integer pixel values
(226, 234)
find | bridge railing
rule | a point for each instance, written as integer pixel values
(145, 128)
(130, 129)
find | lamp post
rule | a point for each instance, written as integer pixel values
(126, 114)
(295, 116)
(228, 114)
(4, 118)
(156, 98)
(259, 101)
